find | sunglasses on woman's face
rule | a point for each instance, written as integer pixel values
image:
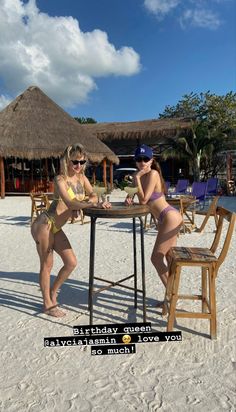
(142, 159)
(80, 162)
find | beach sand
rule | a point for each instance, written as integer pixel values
(196, 374)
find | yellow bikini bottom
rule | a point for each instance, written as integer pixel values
(51, 222)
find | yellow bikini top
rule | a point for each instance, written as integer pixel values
(78, 194)
(73, 195)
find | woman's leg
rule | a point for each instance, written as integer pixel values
(63, 248)
(166, 238)
(44, 238)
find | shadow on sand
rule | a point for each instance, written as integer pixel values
(112, 306)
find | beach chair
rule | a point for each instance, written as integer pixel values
(199, 190)
(212, 187)
(39, 203)
(167, 184)
(211, 211)
(181, 187)
(198, 194)
(209, 263)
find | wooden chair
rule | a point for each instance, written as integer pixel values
(211, 211)
(152, 222)
(208, 262)
(80, 218)
(187, 206)
(40, 203)
(81, 215)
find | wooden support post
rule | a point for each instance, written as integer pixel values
(22, 176)
(47, 176)
(2, 178)
(46, 169)
(105, 172)
(32, 171)
(111, 175)
(40, 171)
(94, 175)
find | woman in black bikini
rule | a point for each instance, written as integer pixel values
(151, 189)
(70, 188)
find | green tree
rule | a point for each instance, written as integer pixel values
(213, 125)
(84, 120)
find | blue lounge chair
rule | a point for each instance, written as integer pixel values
(199, 190)
(181, 187)
(167, 184)
(212, 186)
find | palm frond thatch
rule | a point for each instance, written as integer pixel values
(33, 127)
(148, 130)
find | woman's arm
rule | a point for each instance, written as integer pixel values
(153, 181)
(89, 190)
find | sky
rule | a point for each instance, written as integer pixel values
(117, 60)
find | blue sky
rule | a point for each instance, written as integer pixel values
(117, 60)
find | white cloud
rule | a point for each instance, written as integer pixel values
(160, 7)
(4, 101)
(191, 12)
(54, 54)
(200, 18)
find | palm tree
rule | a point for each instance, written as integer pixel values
(197, 145)
(213, 129)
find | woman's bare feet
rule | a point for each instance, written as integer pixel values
(51, 308)
(53, 296)
(54, 311)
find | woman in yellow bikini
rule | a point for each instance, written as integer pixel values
(151, 191)
(70, 188)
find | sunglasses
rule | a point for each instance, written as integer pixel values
(78, 162)
(142, 159)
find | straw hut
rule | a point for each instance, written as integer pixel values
(124, 137)
(34, 127)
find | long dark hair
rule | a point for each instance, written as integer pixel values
(155, 166)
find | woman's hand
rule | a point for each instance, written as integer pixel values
(104, 205)
(143, 171)
(129, 201)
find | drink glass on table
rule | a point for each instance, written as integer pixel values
(100, 191)
(131, 191)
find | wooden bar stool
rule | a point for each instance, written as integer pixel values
(209, 263)
(40, 203)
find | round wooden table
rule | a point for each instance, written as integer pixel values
(118, 211)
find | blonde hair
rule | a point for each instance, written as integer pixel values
(69, 153)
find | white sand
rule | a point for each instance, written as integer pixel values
(197, 374)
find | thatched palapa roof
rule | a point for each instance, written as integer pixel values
(141, 130)
(33, 127)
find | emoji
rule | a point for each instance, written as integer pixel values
(126, 338)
